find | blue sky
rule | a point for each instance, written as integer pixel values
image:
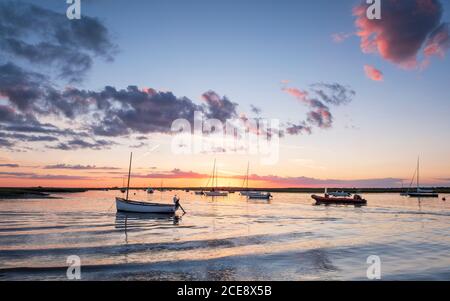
(244, 49)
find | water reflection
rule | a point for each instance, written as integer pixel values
(127, 221)
(227, 238)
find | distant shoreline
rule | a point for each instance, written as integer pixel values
(46, 192)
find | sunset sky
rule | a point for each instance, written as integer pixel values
(358, 100)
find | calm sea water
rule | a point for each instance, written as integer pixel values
(225, 239)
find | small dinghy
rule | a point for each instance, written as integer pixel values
(126, 205)
(327, 200)
(216, 193)
(259, 195)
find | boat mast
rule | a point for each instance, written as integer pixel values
(213, 174)
(248, 169)
(129, 174)
(418, 166)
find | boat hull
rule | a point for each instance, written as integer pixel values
(123, 205)
(338, 201)
(259, 196)
(216, 193)
(423, 194)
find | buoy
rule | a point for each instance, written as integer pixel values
(444, 199)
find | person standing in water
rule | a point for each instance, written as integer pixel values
(176, 201)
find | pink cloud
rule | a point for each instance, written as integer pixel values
(341, 36)
(314, 182)
(173, 174)
(437, 45)
(407, 29)
(373, 73)
(297, 93)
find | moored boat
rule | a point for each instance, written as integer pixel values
(253, 195)
(214, 190)
(259, 195)
(127, 205)
(124, 205)
(327, 200)
(216, 193)
(421, 193)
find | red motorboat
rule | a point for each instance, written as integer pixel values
(327, 200)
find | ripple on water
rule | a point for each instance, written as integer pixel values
(229, 239)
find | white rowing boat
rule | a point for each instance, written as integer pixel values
(126, 205)
(143, 207)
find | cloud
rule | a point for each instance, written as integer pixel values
(279, 180)
(21, 87)
(28, 138)
(76, 144)
(33, 93)
(315, 99)
(437, 44)
(18, 127)
(373, 73)
(4, 143)
(173, 174)
(43, 37)
(320, 117)
(79, 167)
(9, 165)
(256, 110)
(34, 176)
(139, 145)
(313, 182)
(220, 108)
(333, 93)
(298, 129)
(405, 29)
(341, 36)
(134, 110)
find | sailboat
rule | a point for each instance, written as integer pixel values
(256, 195)
(214, 191)
(126, 205)
(423, 193)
